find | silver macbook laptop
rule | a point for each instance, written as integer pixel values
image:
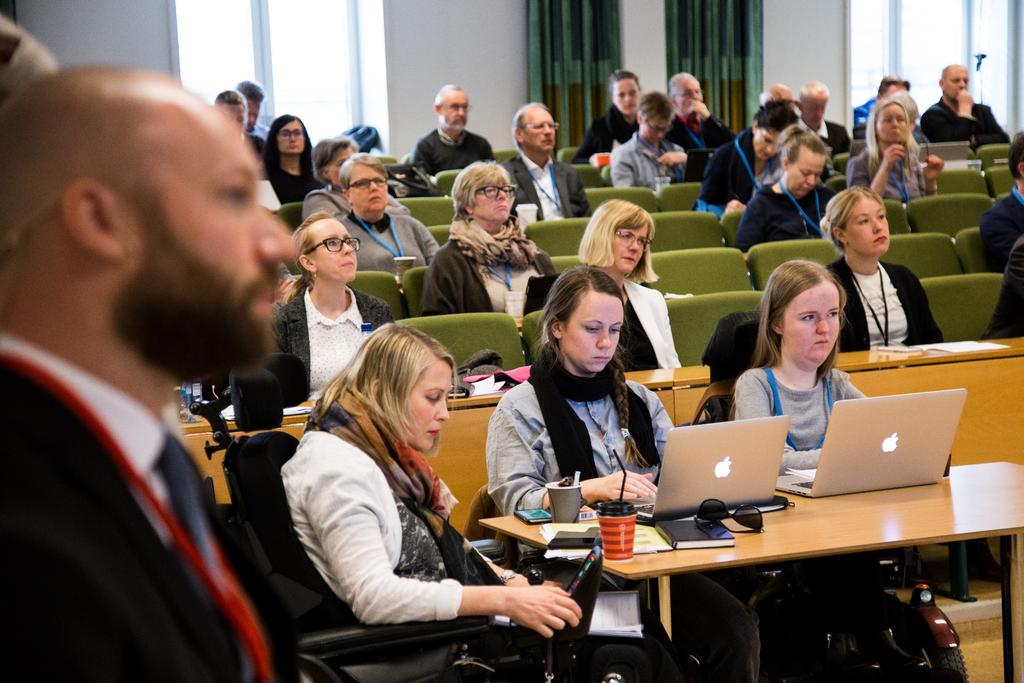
(736, 462)
(884, 442)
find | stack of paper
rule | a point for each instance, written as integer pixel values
(616, 613)
(646, 540)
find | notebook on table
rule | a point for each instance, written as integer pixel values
(736, 462)
(883, 442)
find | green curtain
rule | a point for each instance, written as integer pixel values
(573, 48)
(720, 42)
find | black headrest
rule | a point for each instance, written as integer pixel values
(731, 346)
(290, 372)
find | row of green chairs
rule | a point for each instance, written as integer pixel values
(996, 182)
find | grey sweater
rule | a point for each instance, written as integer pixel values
(808, 411)
(415, 238)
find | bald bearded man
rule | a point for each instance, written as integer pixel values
(133, 253)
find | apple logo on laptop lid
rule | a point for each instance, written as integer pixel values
(723, 468)
(891, 442)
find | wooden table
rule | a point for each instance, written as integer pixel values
(991, 428)
(976, 501)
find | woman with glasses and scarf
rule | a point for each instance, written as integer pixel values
(487, 255)
(288, 159)
(793, 207)
(617, 241)
(385, 235)
(373, 515)
(578, 413)
(793, 373)
(321, 319)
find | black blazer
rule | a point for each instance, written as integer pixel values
(1008, 318)
(93, 592)
(292, 333)
(942, 124)
(603, 131)
(838, 138)
(571, 195)
(921, 326)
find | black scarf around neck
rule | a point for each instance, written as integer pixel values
(569, 436)
(620, 129)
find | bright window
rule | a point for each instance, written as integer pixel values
(915, 39)
(302, 58)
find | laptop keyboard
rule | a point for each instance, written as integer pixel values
(803, 484)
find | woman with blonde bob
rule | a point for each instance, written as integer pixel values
(889, 163)
(617, 241)
(322, 316)
(373, 515)
(487, 255)
(885, 302)
(793, 368)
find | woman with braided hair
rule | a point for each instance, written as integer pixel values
(578, 413)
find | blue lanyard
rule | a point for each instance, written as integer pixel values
(1016, 193)
(508, 274)
(697, 139)
(777, 406)
(373, 235)
(806, 218)
(554, 187)
(899, 181)
(676, 172)
(750, 171)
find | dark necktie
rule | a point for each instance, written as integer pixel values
(176, 467)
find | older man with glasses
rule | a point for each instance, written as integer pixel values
(693, 126)
(450, 145)
(556, 189)
(648, 159)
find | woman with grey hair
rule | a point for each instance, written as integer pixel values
(889, 163)
(487, 255)
(385, 235)
(328, 157)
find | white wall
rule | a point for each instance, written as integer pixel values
(643, 41)
(136, 33)
(478, 44)
(806, 40)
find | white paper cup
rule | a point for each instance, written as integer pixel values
(514, 303)
(527, 213)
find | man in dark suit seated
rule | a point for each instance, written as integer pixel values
(1004, 222)
(133, 254)
(813, 100)
(693, 126)
(555, 188)
(450, 145)
(956, 116)
(1008, 318)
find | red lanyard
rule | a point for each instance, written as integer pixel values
(226, 593)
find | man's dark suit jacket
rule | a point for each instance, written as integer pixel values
(713, 131)
(571, 195)
(1008, 318)
(838, 138)
(89, 591)
(942, 124)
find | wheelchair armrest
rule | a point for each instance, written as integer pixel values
(491, 548)
(364, 639)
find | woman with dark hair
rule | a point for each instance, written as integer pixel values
(578, 413)
(322, 316)
(288, 160)
(885, 302)
(793, 207)
(618, 124)
(328, 157)
(736, 170)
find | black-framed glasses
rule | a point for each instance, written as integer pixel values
(541, 126)
(627, 237)
(290, 134)
(335, 244)
(367, 182)
(492, 191)
(749, 516)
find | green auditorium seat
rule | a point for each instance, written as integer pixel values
(730, 222)
(961, 180)
(896, 214)
(446, 179)
(463, 334)
(763, 258)
(949, 213)
(558, 237)
(694, 318)
(927, 254)
(971, 251)
(291, 214)
(383, 286)
(430, 210)
(641, 196)
(962, 304)
(700, 271)
(675, 230)
(999, 181)
(678, 197)
(992, 154)
(590, 175)
(412, 289)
